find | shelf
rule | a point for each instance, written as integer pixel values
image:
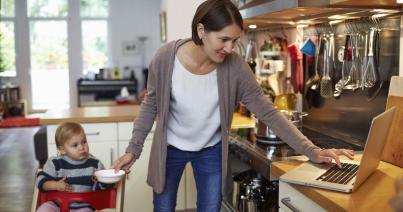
(270, 53)
(289, 12)
(380, 4)
(253, 3)
(106, 103)
(104, 89)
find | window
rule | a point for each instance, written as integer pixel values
(55, 30)
(7, 39)
(47, 8)
(49, 53)
(94, 16)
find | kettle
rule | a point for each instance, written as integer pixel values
(249, 191)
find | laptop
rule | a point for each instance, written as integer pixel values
(353, 173)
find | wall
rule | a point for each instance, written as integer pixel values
(179, 17)
(130, 19)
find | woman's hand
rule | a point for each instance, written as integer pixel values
(124, 162)
(328, 155)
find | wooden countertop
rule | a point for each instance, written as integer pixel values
(116, 114)
(373, 195)
(91, 114)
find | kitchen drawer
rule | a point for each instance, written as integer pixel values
(94, 131)
(290, 197)
(125, 131)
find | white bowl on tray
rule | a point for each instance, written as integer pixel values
(109, 175)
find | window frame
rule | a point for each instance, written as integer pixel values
(11, 73)
(74, 39)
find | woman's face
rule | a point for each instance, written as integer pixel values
(218, 44)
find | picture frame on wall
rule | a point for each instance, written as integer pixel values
(163, 26)
(131, 48)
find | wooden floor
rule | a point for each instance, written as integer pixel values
(17, 168)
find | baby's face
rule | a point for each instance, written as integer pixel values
(76, 147)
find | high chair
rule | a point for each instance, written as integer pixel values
(100, 199)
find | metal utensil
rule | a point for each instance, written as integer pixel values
(313, 82)
(326, 90)
(354, 74)
(364, 65)
(376, 89)
(370, 76)
(338, 88)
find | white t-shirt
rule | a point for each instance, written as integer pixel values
(194, 116)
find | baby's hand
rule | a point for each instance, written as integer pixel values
(63, 186)
(94, 179)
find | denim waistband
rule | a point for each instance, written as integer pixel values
(204, 149)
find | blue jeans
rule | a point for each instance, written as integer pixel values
(206, 165)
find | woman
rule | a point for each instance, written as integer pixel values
(193, 88)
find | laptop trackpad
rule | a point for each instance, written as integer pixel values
(306, 171)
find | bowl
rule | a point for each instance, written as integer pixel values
(109, 176)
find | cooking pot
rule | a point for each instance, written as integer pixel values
(265, 135)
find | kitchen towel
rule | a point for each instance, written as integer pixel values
(297, 75)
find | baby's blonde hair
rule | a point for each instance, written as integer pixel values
(66, 131)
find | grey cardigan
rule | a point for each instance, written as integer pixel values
(236, 83)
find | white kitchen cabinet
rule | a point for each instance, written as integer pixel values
(290, 198)
(138, 194)
(101, 138)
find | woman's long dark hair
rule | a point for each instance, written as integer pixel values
(215, 15)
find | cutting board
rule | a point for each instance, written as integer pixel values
(393, 150)
(239, 121)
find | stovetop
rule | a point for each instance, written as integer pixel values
(281, 149)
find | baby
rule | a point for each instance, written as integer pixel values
(71, 170)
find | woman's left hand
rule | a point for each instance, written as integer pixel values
(328, 155)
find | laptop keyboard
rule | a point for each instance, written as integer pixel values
(339, 175)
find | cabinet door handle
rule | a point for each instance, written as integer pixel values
(111, 156)
(287, 202)
(94, 133)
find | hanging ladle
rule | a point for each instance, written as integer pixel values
(326, 90)
(313, 82)
(338, 88)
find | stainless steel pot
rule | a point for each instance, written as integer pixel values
(265, 135)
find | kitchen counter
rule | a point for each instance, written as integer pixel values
(91, 115)
(373, 195)
(124, 113)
